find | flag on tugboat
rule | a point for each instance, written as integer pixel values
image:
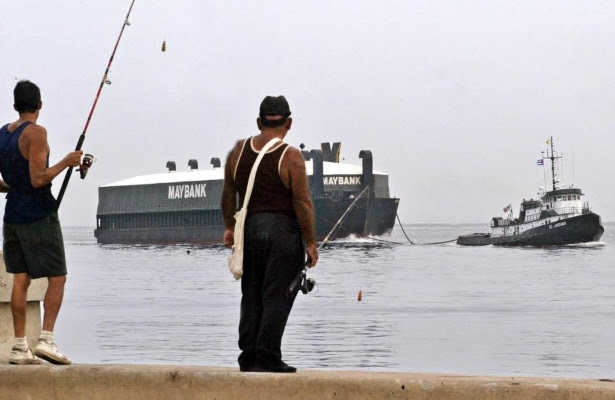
(507, 208)
(540, 162)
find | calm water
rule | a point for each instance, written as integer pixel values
(431, 308)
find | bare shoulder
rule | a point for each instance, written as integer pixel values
(239, 144)
(233, 157)
(35, 132)
(293, 158)
(236, 148)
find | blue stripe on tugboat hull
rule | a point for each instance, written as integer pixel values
(580, 229)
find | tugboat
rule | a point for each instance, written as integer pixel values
(558, 217)
(184, 207)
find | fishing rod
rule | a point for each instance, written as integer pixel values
(342, 218)
(88, 159)
(301, 281)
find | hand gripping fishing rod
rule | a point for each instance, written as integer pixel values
(301, 281)
(87, 159)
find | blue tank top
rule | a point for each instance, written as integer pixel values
(24, 202)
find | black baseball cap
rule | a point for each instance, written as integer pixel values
(274, 108)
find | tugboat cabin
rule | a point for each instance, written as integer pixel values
(566, 201)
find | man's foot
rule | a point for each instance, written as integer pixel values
(48, 351)
(23, 357)
(275, 366)
(247, 368)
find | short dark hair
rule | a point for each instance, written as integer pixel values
(274, 111)
(27, 97)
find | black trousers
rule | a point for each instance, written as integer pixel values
(273, 255)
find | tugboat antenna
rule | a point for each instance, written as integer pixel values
(552, 162)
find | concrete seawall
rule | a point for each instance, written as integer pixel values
(141, 382)
(36, 293)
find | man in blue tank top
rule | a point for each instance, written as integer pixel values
(279, 231)
(33, 246)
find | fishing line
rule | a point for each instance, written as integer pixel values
(325, 219)
(337, 225)
(104, 80)
(301, 281)
(383, 240)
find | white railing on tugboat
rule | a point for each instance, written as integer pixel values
(568, 210)
(561, 211)
(533, 217)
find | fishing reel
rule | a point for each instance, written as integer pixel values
(86, 163)
(302, 283)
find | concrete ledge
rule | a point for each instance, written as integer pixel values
(33, 327)
(36, 293)
(137, 382)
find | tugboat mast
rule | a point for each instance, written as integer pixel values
(552, 157)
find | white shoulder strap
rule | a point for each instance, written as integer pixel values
(243, 146)
(261, 154)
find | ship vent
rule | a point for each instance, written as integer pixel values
(331, 154)
(171, 166)
(193, 164)
(317, 185)
(304, 153)
(215, 162)
(368, 171)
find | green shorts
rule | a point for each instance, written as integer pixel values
(35, 248)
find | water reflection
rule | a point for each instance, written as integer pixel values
(441, 308)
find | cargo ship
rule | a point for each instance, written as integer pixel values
(183, 207)
(557, 217)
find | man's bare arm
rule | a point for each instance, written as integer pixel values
(229, 191)
(302, 201)
(294, 177)
(4, 188)
(37, 149)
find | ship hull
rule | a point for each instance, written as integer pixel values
(474, 239)
(184, 207)
(579, 229)
(367, 217)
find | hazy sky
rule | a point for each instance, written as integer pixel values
(454, 98)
